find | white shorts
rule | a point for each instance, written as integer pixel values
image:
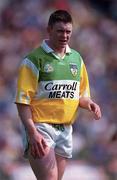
(58, 137)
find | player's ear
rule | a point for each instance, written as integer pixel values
(49, 29)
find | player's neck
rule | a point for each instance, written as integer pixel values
(60, 51)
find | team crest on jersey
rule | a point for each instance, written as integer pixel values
(48, 68)
(74, 69)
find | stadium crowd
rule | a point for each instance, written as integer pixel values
(22, 27)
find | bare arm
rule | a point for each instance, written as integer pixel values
(88, 104)
(37, 143)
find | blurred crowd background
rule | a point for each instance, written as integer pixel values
(22, 28)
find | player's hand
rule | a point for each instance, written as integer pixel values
(93, 107)
(87, 103)
(37, 145)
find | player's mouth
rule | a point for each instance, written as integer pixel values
(63, 42)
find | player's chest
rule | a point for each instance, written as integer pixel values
(59, 69)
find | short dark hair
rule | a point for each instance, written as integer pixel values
(59, 16)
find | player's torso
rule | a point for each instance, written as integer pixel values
(58, 87)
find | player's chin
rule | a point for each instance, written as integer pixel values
(62, 45)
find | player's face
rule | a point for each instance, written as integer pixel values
(60, 34)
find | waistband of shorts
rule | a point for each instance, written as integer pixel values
(60, 127)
